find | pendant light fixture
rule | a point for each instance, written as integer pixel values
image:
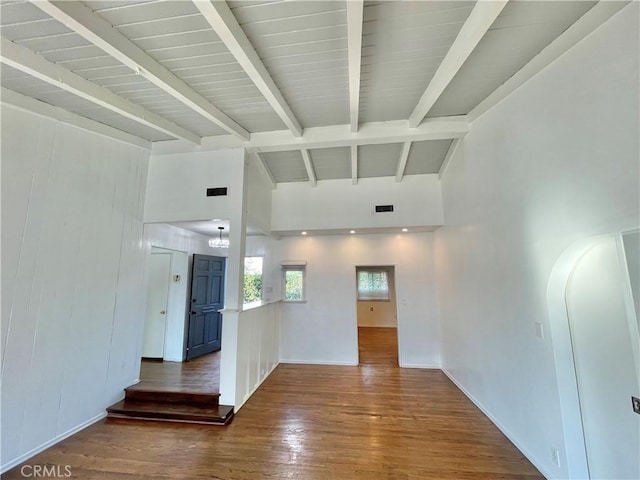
(219, 242)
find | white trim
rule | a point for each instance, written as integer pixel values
(31, 453)
(17, 100)
(318, 362)
(224, 23)
(372, 133)
(592, 19)
(453, 148)
(504, 431)
(479, 21)
(402, 161)
(419, 365)
(91, 27)
(26, 61)
(354, 164)
(355, 11)
(369, 133)
(309, 166)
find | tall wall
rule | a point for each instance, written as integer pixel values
(72, 277)
(553, 164)
(324, 328)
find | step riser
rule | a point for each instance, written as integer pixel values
(172, 397)
(151, 418)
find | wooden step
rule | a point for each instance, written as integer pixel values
(172, 412)
(160, 395)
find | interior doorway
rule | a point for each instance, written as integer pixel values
(377, 315)
(601, 301)
(155, 325)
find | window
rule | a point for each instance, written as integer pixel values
(252, 280)
(294, 284)
(373, 284)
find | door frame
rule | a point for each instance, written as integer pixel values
(560, 332)
(393, 269)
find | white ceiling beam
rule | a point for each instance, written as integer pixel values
(354, 164)
(83, 21)
(593, 18)
(309, 166)
(453, 148)
(22, 102)
(264, 168)
(26, 61)
(402, 162)
(373, 133)
(355, 10)
(480, 20)
(224, 23)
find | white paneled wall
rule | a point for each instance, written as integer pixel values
(251, 351)
(72, 277)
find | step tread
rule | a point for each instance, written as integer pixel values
(172, 411)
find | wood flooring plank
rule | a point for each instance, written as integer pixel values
(309, 422)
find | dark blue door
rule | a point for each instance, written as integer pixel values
(207, 298)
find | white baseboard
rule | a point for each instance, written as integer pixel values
(23, 458)
(506, 433)
(418, 365)
(173, 359)
(319, 362)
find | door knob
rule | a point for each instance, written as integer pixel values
(162, 312)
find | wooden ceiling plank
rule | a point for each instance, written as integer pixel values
(224, 23)
(25, 60)
(479, 21)
(79, 18)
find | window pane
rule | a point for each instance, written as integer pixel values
(373, 285)
(252, 279)
(293, 289)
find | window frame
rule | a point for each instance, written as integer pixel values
(386, 271)
(294, 268)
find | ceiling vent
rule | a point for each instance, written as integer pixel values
(217, 192)
(384, 208)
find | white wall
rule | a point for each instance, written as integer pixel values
(177, 185)
(259, 197)
(72, 278)
(324, 328)
(337, 204)
(553, 164)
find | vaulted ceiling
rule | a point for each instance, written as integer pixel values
(317, 89)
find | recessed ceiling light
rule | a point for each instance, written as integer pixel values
(352, 231)
(405, 229)
(304, 233)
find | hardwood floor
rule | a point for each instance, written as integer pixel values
(378, 346)
(374, 421)
(199, 375)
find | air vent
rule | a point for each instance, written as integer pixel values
(217, 192)
(384, 208)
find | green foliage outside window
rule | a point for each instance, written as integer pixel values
(252, 287)
(293, 285)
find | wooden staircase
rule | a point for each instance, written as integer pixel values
(150, 403)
